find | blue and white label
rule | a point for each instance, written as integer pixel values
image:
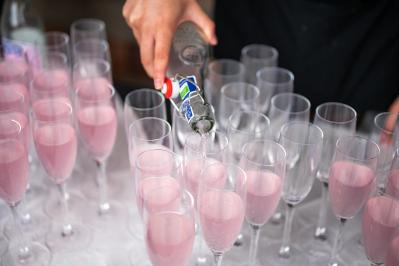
(187, 110)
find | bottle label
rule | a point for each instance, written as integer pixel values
(187, 110)
(186, 86)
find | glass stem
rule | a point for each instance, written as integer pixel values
(337, 241)
(67, 226)
(218, 257)
(104, 206)
(321, 229)
(201, 259)
(24, 252)
(255, 232)
(284, 251)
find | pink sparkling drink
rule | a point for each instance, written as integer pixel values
(393, 184)
(169, 192)
(14, 69)
(350, 184)
(56, 146)
(392, 257)
(98, 128)
(13, 171)
(170, 238)
(23, 121)
(221, 217)
(12, 95)
(380, 220)
(263, 195)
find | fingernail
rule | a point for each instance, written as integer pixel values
(158, 83)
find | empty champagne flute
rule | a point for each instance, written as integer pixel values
(272, 81)
(379, 224)
(218, 73)
(336, 120)
(222, 187)
(351, 180)
(384, 137)
(285, 107)
(87, 28)
(236, 95)
(392, 187)
(245, 126)
(257, 56)
(264, 163)
(57, 41)
(303, 143)
(97, 122)
(181, 130)
(13, 184)
(56, 145)
(170, 229)
(87, 49)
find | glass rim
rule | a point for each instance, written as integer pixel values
(263, 142)
(240, 111)
(110, 98)
(365, 140)
(93, 21)
(240, 83)
(167, 150)
(64, 37)
(385, 115)
(310, 125)
(245, 51)
(163, 121)
(18, 126)
(285, 71)
(293, 95)
(223, 61)
(100, 42)
(152, 91)
(21, 100)
(98, 61)
(220, 133)
(346, 106)
(225, 165)
(51, 121)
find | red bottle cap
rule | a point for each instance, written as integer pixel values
(167, 88)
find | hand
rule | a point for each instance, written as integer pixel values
(154, 23)
(394, 109)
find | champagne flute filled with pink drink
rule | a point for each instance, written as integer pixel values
(97, 121)
(392, 187)
(198, 153)
(13, 183)
(56, 145)
(264, 163)
(351, 180)
(380, 222)
(221, 206)
(392, 257)
(14, 67)
(170, 230)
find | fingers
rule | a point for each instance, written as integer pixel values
(198, 16)
(163, 42)
(392, 120)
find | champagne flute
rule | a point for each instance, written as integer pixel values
(222, 187)
(264, 163)
(57, 41)
(303, 143)
(88, 28)
(198, 153)
(13, 183)
(257, 56)
(272, 81)
(87, 49)
(170, 230)
(392, 187)
(237, 95)
(352, 178)
(218, 73)
(379, 224)
(97, 122)
(14, 67)
(181, 130)
(336, 120)
(384, 137)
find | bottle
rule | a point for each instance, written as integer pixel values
(186, 96)
(21, 24)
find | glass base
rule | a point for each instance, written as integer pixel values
(116, 214)
(77, 205)
(297, 257)
(80, 238)
(34, 225)
(38, 256)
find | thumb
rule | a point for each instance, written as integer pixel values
(198, 16)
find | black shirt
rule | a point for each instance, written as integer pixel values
(338, 50)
